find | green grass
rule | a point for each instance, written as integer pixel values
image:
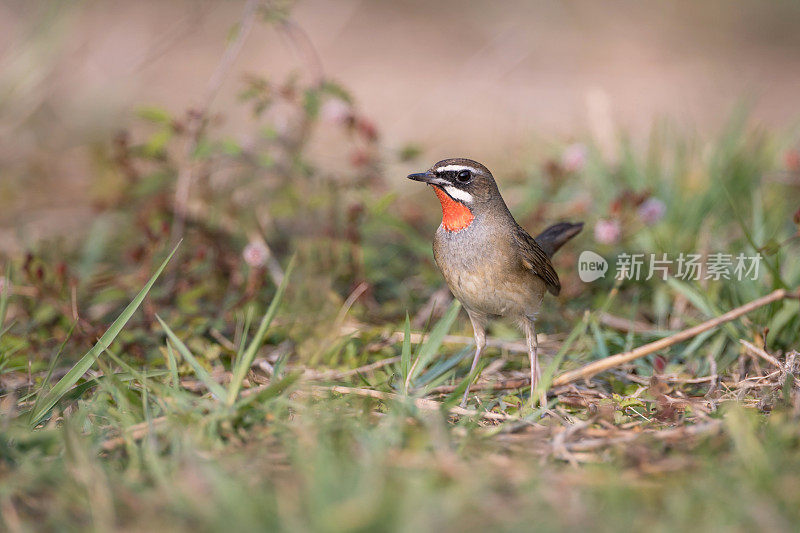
(152, 401)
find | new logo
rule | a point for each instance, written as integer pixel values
(591, 266)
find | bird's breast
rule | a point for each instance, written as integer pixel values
(483, 272)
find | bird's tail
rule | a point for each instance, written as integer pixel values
(556, 235)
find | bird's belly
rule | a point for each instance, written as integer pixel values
(491, 297)
(483, 277)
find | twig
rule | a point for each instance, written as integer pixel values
(558, 443)
(509, 346)
(135, 432)
(197, 118)
(587, 371)
(273, 266)
(712, 367)
(437, 302)
(507, 384)
(222, 339)
(335, 374)
(348, 303)
(752, 348)
(518, 383)
(665, 435)
(421, 403)
(416, 338)
(627, 324)
(303, 45)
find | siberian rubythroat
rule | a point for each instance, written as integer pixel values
(492, 265)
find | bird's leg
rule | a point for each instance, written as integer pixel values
(479, 330)
(533, 353)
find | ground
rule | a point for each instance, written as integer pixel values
(233, 333)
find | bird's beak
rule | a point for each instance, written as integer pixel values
(427, 177)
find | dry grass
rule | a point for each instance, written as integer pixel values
(241, 389)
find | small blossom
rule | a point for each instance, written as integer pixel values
(607, 231)
(792, 160)
(335, 111)
(255, 254)
(367, 129)
(359, 158)
(652, 210)
(573, 159)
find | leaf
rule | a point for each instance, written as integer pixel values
(202, 374)
(5, 292)
(311, 103)
(405, 354)
(52, 365)
(77, 391)
(273, 390)
(157, 143)
(454, 398)
(336, 90)
(244, 362)
(701, 302)
(689, 292)
(550, 372)
(173, 367)
(439, 371)
(600, 341)
(154, 114)
(630, 402)
(203, 149)
(431, 346)
(230, 147)
(86, 362)
(787, 313)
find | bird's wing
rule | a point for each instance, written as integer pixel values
(535, 259)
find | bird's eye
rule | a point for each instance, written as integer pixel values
(464, 176)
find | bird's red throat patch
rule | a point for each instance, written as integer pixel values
(455, 215)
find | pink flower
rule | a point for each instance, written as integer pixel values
(335, 111)
(607, 231)
(255, 254)
(573, 159)
(792, 160)
(652, 210)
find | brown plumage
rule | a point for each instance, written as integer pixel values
(491, 264)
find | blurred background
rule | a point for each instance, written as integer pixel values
(452, 78)
(265, 134)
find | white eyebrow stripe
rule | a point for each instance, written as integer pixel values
(458, 194)
(449, 168)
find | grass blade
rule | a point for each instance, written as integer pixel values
(701, 302)
(86, 362)
(246, 360)
(405, 354)
(440, 371)
(5, 292)
(52, 366)
(173, 367)
(550, 372)
(248, 318)
(431, 346)
(274, 389)
(454, 398)
(202, 374)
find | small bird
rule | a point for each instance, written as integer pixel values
(492, 265)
